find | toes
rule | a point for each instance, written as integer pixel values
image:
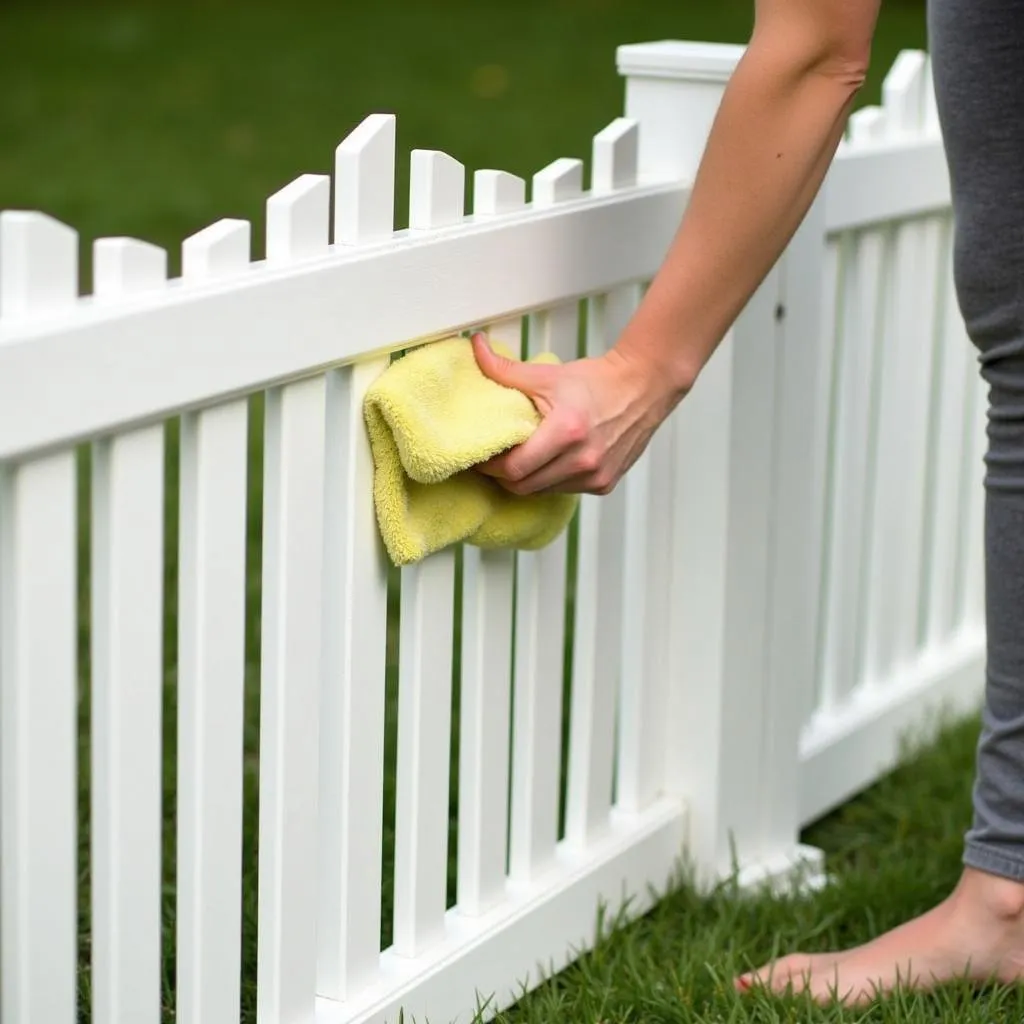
(793, 973)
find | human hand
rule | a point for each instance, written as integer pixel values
(597, 417)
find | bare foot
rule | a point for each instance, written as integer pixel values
(976, 933)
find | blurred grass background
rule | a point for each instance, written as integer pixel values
(155, 118)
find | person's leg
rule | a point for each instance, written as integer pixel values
(981, 100)
(977, 49)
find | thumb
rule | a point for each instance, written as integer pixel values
(512, 373)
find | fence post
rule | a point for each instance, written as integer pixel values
(722, 539)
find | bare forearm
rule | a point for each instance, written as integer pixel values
(773, 140)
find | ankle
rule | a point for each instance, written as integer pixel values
(998, 897)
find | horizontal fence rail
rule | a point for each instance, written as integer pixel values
(237, 335)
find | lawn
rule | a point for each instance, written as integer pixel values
(893, 852)
(153, 119)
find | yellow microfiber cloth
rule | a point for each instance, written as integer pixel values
(431, 416)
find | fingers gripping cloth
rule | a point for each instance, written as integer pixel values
(431, 417)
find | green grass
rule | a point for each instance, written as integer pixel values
(894, 852)
(154, 119)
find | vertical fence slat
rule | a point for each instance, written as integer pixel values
(485, 698)
(646, 584)
(354, 614)
(878, 636)
(484, 726)
(938, 234)
(955, 368)
(867, 293)
(597, 640)
(38, 727)
(40, 272)
(39, 721)
(425, 668)
(540, 617)
(297, 227)
(840, 500)
(424, 728)
(924, 320)
(852, 476)
(615, 156)
(901, 456)
(211, 668)
(661, 524)
(127, 685)
(123, 266)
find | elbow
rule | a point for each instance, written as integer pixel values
(832, 47)
(841, 72)
(847, 69)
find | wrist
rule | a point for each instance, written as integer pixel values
(664, 362)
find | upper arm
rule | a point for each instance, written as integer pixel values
(831, 36)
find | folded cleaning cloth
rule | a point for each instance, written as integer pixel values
(431, 416)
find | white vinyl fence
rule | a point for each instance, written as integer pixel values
(788, 579)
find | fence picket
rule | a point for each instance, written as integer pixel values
(902, 450)
(947, 459)
(882, 585)
(425, 670)
(298, 219)
(424, 729)
(124, 266)
(903, 94)
(354, 630)
(645, 518)
(38, 726)
(878, 637)
(297, 227)
(615, 154)
(866, 292)
(840, 472)
(127, 684)
(929, 279)
(488, 579)
(597, 640)
(540, 616)
(495, 193)
(437, 190)
(211, 666)
(851, 478)
(646, 625)
(485, 709)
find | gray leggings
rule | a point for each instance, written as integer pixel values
(977, 49)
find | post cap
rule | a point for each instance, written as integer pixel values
(671, 58)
